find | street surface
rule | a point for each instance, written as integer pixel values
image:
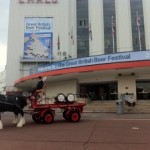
(95, 131)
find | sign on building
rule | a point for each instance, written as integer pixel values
(38, 38)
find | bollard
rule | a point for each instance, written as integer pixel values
(119, 107)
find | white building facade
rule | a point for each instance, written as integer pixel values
(82, 46)
(2, 81)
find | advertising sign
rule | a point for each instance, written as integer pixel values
(94, 60)
(38, 38)
(38, 1)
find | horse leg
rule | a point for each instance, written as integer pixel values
(22, 121)
(1, 124)
(16, 120)
(22, 118)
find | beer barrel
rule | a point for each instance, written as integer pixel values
(61, 97)
(70, 97)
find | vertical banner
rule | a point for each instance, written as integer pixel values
(38, 38)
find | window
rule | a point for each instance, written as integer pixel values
(109, 26)
(81, 43)
(99, 91)
(138, 31)
(82, 29)
(82, 23)
(143, 90)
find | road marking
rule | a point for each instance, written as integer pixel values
(135, 128)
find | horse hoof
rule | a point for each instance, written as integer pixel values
(19, 125)
(1, 125)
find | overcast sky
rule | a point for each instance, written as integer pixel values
(4, 16)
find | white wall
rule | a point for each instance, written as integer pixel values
(72, 47)
(127, 84)
(97, 78)
(61, 27)
(123, 23)
(65, 87)
(124, 31)
(2, 81)
(146, 13)
(97, 27)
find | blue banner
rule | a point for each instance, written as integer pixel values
(94, 60)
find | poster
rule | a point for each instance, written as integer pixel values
(38, 38)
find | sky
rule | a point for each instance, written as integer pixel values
(4, 17)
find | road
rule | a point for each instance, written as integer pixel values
(95, 131)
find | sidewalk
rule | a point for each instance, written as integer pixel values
(114, 116)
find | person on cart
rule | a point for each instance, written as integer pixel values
(39, 85)
(38, 88)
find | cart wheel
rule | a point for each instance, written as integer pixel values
(75, 116)
(48, 117)
(66, 115)
(36, 118)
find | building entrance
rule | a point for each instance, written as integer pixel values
(100, 91)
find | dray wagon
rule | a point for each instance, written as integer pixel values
(71, 110)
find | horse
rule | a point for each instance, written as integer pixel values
(15, 104)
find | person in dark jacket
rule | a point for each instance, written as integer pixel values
(38, 87)
(40, 84)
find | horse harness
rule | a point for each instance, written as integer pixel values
(4, 106)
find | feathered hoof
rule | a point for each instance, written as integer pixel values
(1, 125)
(21, 123)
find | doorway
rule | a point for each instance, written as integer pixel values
(99, 91)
